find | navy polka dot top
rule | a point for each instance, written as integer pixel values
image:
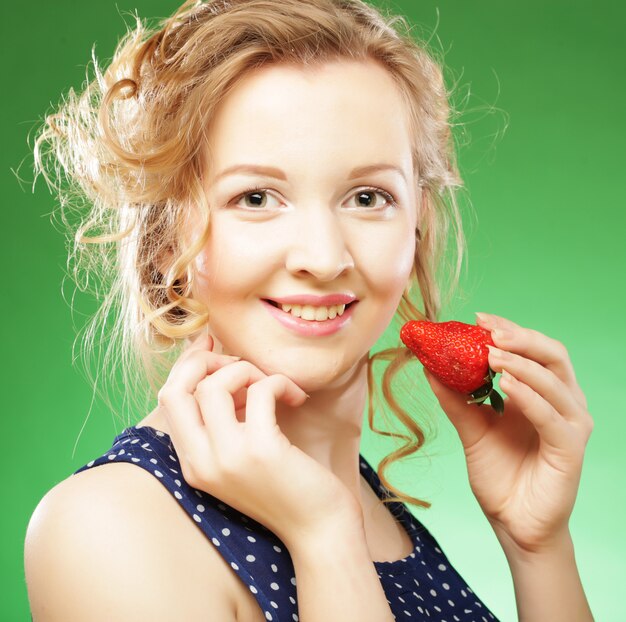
(422, 586)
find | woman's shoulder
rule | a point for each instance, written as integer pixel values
(115, 526)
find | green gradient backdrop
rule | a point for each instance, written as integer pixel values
(545, 250)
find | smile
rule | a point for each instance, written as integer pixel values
(311, 312)
(309, 320)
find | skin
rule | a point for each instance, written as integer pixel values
(313, 236)
(316, 234)
(524, 468)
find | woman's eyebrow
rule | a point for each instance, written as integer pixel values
(276, 173)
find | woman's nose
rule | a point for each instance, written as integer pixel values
(318, 246)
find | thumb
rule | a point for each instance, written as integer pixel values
(202, 341)
(470, 420)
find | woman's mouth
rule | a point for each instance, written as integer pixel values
(310, 312)
(311, 321)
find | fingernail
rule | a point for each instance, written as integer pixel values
(501, 333)
(484, 319)
(507, 377)
(495, 351)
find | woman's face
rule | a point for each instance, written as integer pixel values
(310, 227)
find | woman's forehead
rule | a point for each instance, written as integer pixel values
(350, 113)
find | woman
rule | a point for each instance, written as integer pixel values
(276, 175)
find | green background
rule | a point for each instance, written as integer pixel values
(542, 90)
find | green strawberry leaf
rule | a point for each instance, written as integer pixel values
(497, 402)
(482, 391)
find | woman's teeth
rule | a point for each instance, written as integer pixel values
(319, 314)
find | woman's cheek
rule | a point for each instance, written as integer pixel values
(392, 262)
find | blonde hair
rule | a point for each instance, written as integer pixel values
(124, 156)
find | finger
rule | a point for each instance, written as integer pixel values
(471, 421)
(262, 398)
(198, 364)
(179, 404)
(550, 426)
(203, 341)
(530, 343)
(215, 396)
(540, 379)
(185, 423)
(240, 399)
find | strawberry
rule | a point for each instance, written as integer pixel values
(457, 355)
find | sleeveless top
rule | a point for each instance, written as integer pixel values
(422, 586)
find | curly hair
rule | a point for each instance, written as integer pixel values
(125, 155)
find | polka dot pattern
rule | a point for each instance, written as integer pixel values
(422, 586)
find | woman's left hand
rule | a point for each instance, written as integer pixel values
(524, 467)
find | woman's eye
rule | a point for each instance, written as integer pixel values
(255, 198)
(363, 198)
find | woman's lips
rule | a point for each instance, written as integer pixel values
(311, 327)
(315, 300)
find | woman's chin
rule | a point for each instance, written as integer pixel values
(316, 375)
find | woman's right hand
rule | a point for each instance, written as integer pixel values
(221, 414)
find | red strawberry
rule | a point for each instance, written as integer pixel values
(457, 355)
